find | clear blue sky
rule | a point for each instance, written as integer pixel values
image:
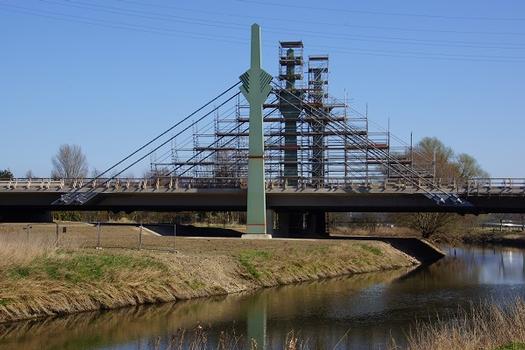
(109, 75)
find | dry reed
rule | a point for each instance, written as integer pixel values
(481, 326)
(199, 339)
(21, 248)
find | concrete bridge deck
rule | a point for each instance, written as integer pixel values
(163, 194)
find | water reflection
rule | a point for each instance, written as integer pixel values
(360, 312)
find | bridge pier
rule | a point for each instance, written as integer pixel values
(300, 224)
(256, 88)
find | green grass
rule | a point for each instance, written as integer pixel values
(83, 267)
(19, 272)
(512, 346)
(321, 249)
(372, 249)
(195, 285)
(249, 259)
(4, 302)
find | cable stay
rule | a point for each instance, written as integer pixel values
(418, 180)
(81, 196)
(324, 119)
(212, 152)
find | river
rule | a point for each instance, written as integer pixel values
(359, 312)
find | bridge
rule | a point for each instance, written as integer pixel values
(488, 195)
(282, 149)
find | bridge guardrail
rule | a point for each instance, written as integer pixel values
(470, 187)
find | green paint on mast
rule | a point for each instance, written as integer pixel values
(256, 88)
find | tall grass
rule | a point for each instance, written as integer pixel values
(199, 339)
(481, 326)
(20, 248)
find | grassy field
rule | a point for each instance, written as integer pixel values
(40, 276)
(375, 231)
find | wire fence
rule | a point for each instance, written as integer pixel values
(71, 235)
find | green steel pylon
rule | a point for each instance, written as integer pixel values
(256, 88)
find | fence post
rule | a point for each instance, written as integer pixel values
(98, 236)
(174, 235)
(56, 238)
(140, 237)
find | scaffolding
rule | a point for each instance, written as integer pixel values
(310, 137)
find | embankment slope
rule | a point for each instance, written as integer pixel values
(36, 281)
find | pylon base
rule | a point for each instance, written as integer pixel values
(256, 236)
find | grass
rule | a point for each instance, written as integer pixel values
(250, 259)
(41, 278)
(481, 326)
(512, 346)
(199, 339)
(83, 267)
(195, 285)
(19, 272)
(18, 248)
(372, 249)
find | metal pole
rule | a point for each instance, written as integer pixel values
(140, 237)
(411, 152)
(98, 236)
(434, 165)
(256, 88)
(174, 235)
(56, 238)
(388, 150)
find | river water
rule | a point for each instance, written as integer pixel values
(360, 312)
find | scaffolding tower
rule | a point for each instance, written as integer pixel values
(302, 129)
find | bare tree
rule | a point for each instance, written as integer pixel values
(432, 150)
(447, 166)
(428, 223)
(69, 162)
(469, 167)
(29, 174)
(95, 172)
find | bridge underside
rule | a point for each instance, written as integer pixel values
(290, 212)
(280, 200)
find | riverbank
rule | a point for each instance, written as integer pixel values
(504, 239)
(476, 237)
(180, 321)
(37, 279)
